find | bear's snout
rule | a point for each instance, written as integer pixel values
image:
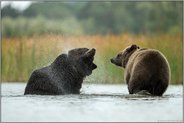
(116, 61)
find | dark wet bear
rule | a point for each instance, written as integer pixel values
(64, 76)
(145, 69)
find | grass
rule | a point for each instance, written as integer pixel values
(21, 55)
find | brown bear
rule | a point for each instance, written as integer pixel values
(145, 69)
(65, 75)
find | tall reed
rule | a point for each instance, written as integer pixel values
(20, 56)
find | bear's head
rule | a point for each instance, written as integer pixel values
(82, 59)
(122, 58)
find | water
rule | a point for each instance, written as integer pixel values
(96, 103)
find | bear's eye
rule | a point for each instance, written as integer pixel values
(127, 50)
(119, 55)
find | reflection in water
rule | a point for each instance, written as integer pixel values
(95, 103)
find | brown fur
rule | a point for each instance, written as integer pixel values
(145, 69)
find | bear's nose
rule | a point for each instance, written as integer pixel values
(94, 66)
(112, 60)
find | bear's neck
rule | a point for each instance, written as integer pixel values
(68, 74)
(127, 58)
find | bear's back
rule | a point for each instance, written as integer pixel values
(149, 58)
(151, 67)
(42, 82)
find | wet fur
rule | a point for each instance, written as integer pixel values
(64, 76)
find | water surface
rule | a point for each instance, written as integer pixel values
(96, 102)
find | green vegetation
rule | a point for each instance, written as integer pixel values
(90, 18)
(22, 26)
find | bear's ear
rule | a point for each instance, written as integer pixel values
(90, 53)
(133, 47)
